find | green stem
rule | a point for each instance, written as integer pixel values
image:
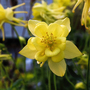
(35, 73)
(49, 82)
(88, 68)
(17, 34)
(55, 82)
(79, 72)
(7, 74)
(69, 81)
(86, 43)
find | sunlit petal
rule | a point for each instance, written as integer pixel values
(51, 53)
(40, 56)
(58, 57)
(71, 51)
(41, 29)
(30, 44)
(37, 43)
(65, 22)
(28, 53)
(58, 68)
(32, 24)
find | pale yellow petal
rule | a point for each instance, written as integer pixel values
(41, 29)
(65, 31)
(65, 22)
(40, 56)
(32, 24)
(1, 7)
(58, 57)
(55, 29)
(9, 13)
(30, 44)
(28, 53)
(58, 68)
(53, 52)
(37, 43)
(71, 51)
(61, 43)
(62, 46)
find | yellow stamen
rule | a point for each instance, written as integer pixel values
(42, 64)
(18, 6)
(20, 12)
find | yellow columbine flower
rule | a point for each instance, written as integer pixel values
(62, 2)
(7, 15)
(85, 11)
(50, 44)
(48, 13)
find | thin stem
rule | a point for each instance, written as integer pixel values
(17, 35)
(88, 68)
(49, 82)
(55, 82)
(35, 73)
(86, 43)
(69, 81)
(79, 71)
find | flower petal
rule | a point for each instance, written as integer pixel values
(58, 68)
(71, 51)
(65, 22)
(58, 57)
(55, 29)
(61, 42)
(50, 53)
(9, 13)
(37, 43)
(32, 24)
(40, 56)
(30, 44)
(28, 53)
(41, 29)
(65, 31)
(1, 7)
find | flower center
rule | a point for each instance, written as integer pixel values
(49, 40)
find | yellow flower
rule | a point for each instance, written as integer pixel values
(80, 85)
(50, 44)
(62, 2)
(48, 13)
(7, 15)
(85, 11)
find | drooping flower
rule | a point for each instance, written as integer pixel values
(50, 44)
(83, 60)
(85, 11)
(48, 13)
(7, 15)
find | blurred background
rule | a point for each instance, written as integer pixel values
(20, 73)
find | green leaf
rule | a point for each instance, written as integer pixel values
(17, 83)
